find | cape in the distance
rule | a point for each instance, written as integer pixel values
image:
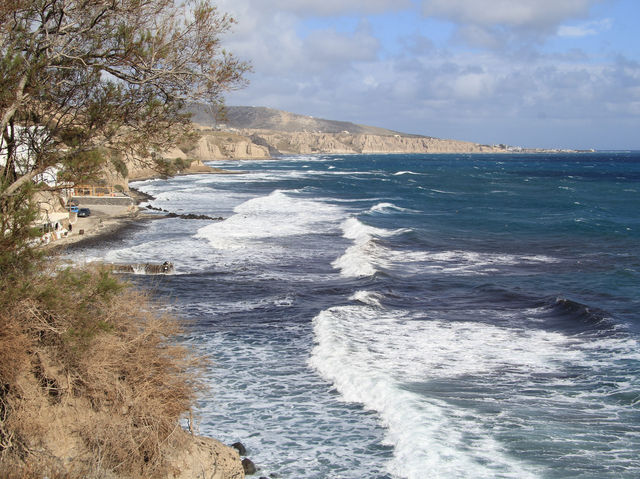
(258, 132)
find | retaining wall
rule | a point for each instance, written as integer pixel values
(103, 200)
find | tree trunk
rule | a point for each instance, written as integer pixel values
(9, 174)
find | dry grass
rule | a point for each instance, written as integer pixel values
(92, 383)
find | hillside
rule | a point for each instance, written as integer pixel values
(259, 132)
(262, 118)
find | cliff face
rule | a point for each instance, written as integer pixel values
(257, 132)
(218, 145)
(344, 143)
(261, 144)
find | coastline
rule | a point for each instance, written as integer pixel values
(107, 223)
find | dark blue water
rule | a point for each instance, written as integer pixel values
(413, 315)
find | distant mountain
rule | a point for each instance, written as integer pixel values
(262, 118)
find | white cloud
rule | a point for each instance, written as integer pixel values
(503, 24)
(337, 7)
(585, 29)
(330, 46)
(472, 85)
(310, 8)
(531, 14)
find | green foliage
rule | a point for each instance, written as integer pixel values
(120, 166)
(17, 215)
(182, 164)
(83, 167)
(189, 142)
(88, 85)
(169, 167)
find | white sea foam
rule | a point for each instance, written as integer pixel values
(386, 207)
(406, 173)
(262, 393)
(393, 362)
(274, 216)
(367, 297)
(460, 262)
(161, 240)
(370, 355)
(254, 235)
(444, 192)
(241, 306)
(366, 255)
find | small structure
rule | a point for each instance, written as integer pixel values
(99, 195)
(93, 190)
(53, 221)
(53, 225)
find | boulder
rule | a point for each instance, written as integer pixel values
(240, 448)
(249, 467)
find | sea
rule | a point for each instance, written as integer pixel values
(409, 316)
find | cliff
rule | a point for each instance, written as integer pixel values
(243, 132)
(346, 143)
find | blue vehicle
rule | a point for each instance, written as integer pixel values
(72, 208)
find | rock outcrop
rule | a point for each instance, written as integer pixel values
(206, 458)
(218, 145)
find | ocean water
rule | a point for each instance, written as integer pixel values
(411, 316)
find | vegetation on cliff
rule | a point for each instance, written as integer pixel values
(92, 383)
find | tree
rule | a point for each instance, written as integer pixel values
(82, 83)
(88, 81)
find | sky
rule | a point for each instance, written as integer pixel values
(530, 73)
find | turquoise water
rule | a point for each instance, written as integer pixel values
(412, 316)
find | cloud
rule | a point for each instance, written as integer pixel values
(508, 91)
(529, 14)
(311, 8)
(585, 29)
(337, 7)
(332, 47)
(505, 23)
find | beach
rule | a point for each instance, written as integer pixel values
(104, 223)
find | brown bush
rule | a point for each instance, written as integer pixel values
(92, 382)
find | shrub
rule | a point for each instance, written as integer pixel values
(85, 353)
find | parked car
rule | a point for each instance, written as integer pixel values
(72, 208)
(84, 212)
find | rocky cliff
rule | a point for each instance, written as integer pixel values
(345, 143)
(257, 132)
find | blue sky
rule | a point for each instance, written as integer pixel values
(533, 73)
